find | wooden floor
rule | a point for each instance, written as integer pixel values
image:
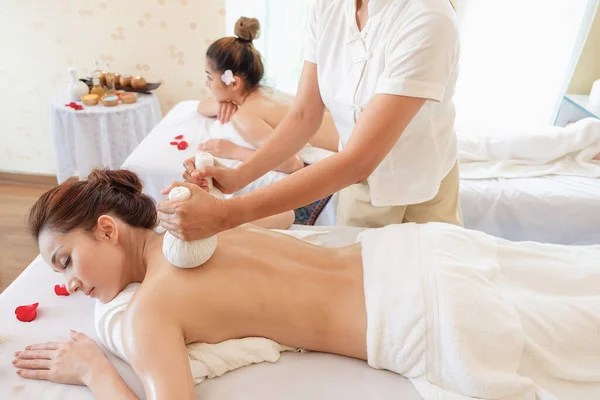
(17, 249)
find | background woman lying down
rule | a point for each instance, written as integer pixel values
(234, 71)
(462, 314)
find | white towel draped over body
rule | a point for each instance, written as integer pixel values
(551, 151)
(206, 360)
(465, 315)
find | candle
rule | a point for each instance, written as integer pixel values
(138, 82)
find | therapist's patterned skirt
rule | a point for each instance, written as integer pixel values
(308, 215)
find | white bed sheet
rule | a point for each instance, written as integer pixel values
(158, 163)
(552, 209)
(293, 377)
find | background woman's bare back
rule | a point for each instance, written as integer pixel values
(264, 284)
(272, 105)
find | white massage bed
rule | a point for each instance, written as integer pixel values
(535, 184)
(295, 376)
(551, 209)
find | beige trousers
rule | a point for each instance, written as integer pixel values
(355, 208)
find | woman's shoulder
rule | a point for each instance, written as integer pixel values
(266, 96)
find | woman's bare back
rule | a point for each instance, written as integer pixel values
(264, 284)
(272, 105)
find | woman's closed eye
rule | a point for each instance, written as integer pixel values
(67, 262)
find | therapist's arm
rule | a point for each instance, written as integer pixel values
(378, 129)
(295, 130)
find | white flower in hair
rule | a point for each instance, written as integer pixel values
(227, 77)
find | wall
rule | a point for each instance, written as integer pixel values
(588, 68)
(162, 40)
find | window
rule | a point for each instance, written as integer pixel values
(517, 56)
(281, 42)
(517, 59)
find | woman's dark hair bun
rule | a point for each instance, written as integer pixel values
(247, 29)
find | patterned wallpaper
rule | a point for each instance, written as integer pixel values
(162, 40)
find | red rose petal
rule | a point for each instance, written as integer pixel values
(179, 137)
(27, 313)
(182, 145)
(61, 290)
(174, 143)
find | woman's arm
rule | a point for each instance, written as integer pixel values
(78, 362)
(212, 108)
(155, 346)
(208, 107)
(106, 384)
(256, 131)
(277, 221)
(225, 149)
(293, 132)
(377, 130)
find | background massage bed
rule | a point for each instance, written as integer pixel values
(533, 184)
(552, 209)
(294, 376)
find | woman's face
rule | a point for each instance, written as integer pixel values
(217, 87)
(91, 262)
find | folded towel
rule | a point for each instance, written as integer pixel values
(206, 360)
(465, 315)
(551, 151)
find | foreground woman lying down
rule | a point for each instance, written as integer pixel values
(461, 314)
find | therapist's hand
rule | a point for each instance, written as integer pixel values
(71, 362)
(198, 217)
(227, 180)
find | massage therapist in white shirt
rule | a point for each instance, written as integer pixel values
(386, 70)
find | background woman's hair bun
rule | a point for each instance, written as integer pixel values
(120, 180)
(247, 28)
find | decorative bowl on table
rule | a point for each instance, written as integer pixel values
(90, 99)
(129, 98)
(110, 101)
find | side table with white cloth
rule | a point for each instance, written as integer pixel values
(99, 136)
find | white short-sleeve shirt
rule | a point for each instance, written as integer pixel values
(408, 48)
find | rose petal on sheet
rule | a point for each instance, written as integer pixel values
(61, 290)
(27, 313)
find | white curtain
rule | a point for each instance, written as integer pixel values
(517, 56)
(517, 59)
(281, 43)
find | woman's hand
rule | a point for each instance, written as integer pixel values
(227, 180)
(62, 362)
(226, 111)
(198, 217)
(221, 148)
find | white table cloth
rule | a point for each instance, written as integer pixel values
(99, 136)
